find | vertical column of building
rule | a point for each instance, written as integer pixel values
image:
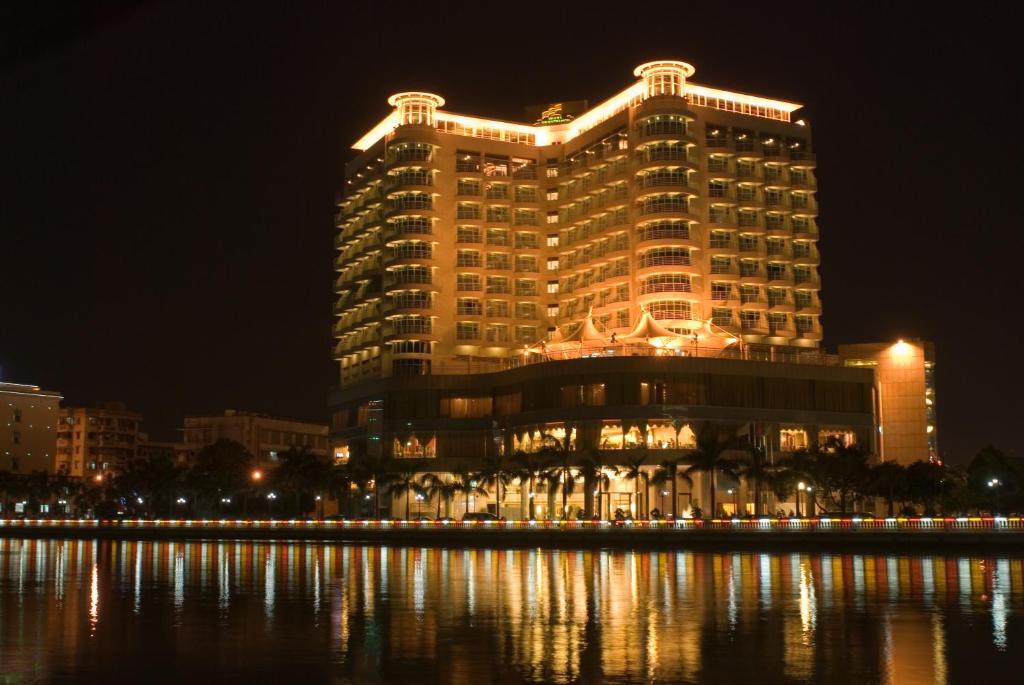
(359, 244)
(412, 277)
(668, 241)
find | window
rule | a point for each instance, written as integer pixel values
(721, 317)
(467, 161)
(526, 334)
(590, 395)
(468, 306)
(497, 191)
(750, 319)
(467, 282)
(552, 311)
(526, 310)
(552, 194)
(551, 172)
(552, 265)
(465, 407)
(670, 309)
(496, 165)
(553, 217)
(467, 330)
(526, 194)
(552, 240)
(467, 187)
(468, 234)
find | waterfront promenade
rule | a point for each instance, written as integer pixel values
(1002, 532)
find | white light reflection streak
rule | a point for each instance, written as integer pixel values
(94, 598)
(766, 582)
(137, 589)
(808, 605)
(269, 577)
(1000, 609)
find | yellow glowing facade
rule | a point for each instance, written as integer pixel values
(905, 396)
(463, 241)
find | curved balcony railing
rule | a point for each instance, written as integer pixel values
(664, 260)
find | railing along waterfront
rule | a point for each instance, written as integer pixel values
(682, 525)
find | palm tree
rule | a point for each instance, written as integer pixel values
(340, 479)
(406, 482)
(558, 454)
(593, 469)
(495, 471)
(378, 470)
(634, 472)
(301, 472)
(756, 470)
(668, 472)
(529, 465)
(709, 456)
(437, 486)
(467, 482)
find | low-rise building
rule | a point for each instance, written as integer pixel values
(28, 428)
(264, 436)
(904, 396)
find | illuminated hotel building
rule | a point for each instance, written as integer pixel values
(656, 253)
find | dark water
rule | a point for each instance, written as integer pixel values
(259, 612)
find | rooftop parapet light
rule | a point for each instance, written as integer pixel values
(664, 77)
(416, 108)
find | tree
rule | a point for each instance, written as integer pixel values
(557, 453)
(924, 483)
(710, 456)
(593, 470)
(668, 472)
(377, 470)
(301, 473)
(634, 471)
(156, 481)
(887, 480)
(756, 470)
(340, 479)
(437, 486)
(221, 468)
(495, 471)
(466, 482)
(840, 470)
(1006, 474)
(527, 467)
(406, 482)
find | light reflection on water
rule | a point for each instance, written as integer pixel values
(366, 613)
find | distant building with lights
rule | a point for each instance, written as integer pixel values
(264, 436)
(97, 441)
(28, 428)
(615, 277)
(905, 396)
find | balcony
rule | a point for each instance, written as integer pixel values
(664, 207)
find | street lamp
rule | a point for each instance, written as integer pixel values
(419, 507)
(319, 507)
(800, 487)
(810, 501)
(735, 501)
(994, 484)
(270, 499)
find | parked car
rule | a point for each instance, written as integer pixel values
(480, 516)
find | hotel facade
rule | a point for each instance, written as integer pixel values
(614, 276)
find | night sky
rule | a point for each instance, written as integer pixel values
(167, 175)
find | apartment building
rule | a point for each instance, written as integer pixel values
(465, 242)
(95, 441)
(264, 436)
(28, 428)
